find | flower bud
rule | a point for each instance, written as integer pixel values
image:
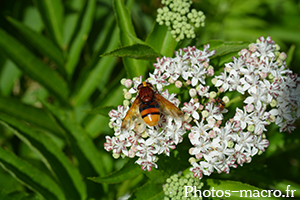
(193, 92)
(192, 160)
(273, 103)
(252, 47)
(251, 128)
(282, 56)
(214, 81)
(225, 99)
(204, 113)
(123, 81)
(127, 95)
(212, 95)
(171, 80)
(128, 83)
(116, 155)
(178, 84)
(126, 102)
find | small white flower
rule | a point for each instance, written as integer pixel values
(243, 117)
(265, 48)
(244, 142)
(160, 80)
(191, 109)
(198, 73)
(223, 81)
(146, 165)
(196, 169)
(213, 111)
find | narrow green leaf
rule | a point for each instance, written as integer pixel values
(149, 191)
(161, 39)
(102, 70)
(290, 185)
(32, 19)
(16, 195)
(127, 32)
(71, 20)
(111, 96)
(32, 115)
(237, 190)
(137, 51)
(52, 15)
(42, 44)
(83, 27)
(83, 147)
(9, 74)
(102, 110)
(129, 170)
(290, 54)
(134, 68)
(32, 66)
(30, 176)
(60, 166)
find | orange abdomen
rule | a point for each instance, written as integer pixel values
(150, 113)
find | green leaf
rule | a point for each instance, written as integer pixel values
(30, 176)
(222, 48)
(127, 32)
(32, 115)
(290, 54)
(287, 184)
(18, 196)
(102, 110)
(134, 68)
(83, 27)
(52, 15)
(41, 44)
(149, 191)
(8, 76)
(129, 170)
(111, 96)
(60, 166)
(236, 190)
(71, 20)
(32, 66)
(82, 146)
(100, 73)
(161, 39)
(277, 144)
(157, 176)
(137, 51)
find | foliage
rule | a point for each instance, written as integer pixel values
(55, 91)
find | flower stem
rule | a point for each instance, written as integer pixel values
(235, 100)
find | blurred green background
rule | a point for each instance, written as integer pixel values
(67, 37)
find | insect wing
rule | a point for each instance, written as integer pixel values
(133, 114)
(168, 108)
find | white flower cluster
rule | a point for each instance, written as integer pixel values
(271, 91)
(193, 63)
(262, 75)
(177, 16)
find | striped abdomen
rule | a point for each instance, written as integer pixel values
(150, 113)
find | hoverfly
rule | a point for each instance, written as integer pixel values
(147, 108)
